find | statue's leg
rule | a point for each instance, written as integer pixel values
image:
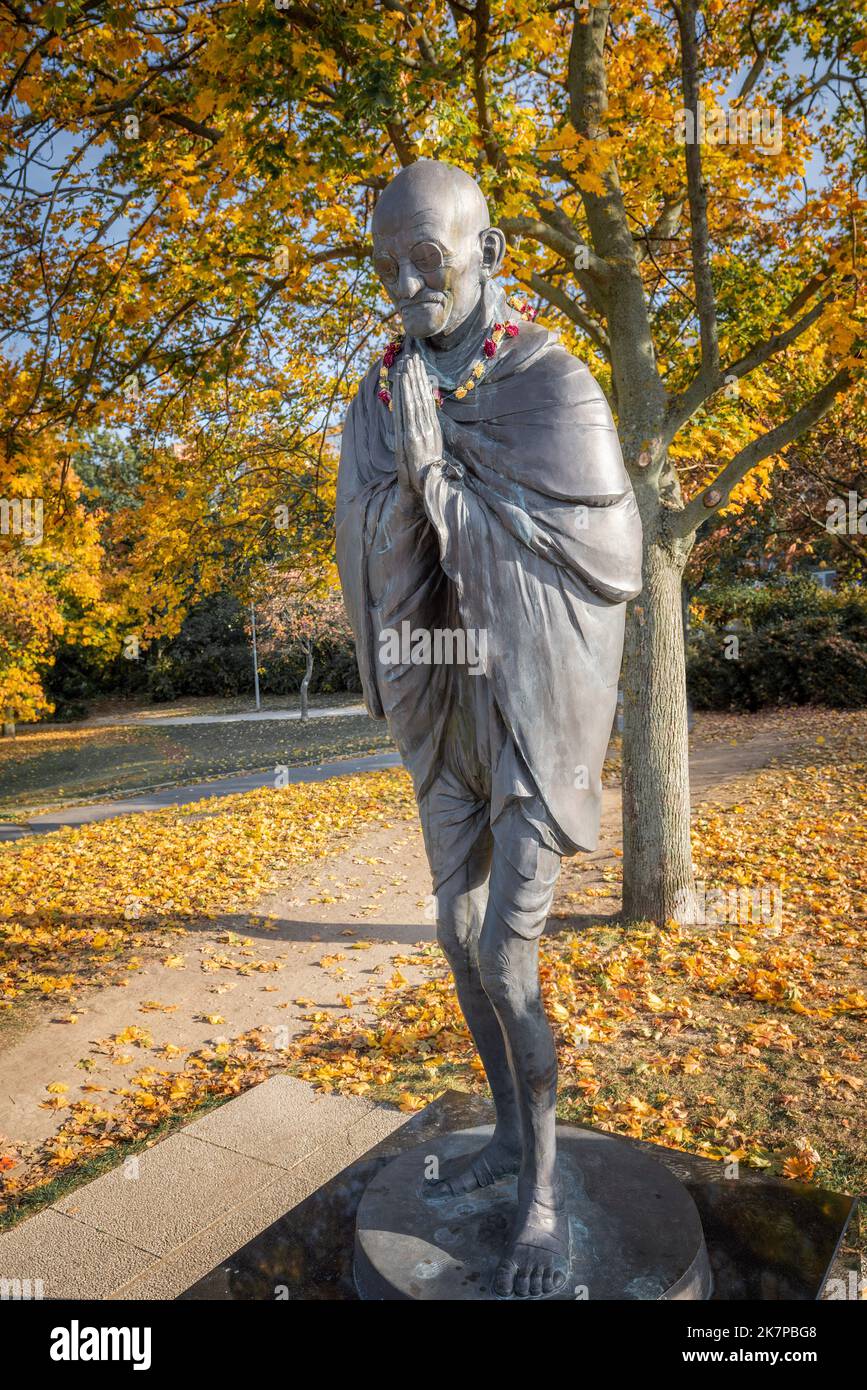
(461, 902)
(536, 1259)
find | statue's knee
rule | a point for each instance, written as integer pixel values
(453, 927)
(447, 936)
(498, 976)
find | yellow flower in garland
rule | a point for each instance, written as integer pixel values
(489, 349)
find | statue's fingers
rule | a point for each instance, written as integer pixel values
(429, 387)
(410, 411)
(397, 403)
(417, 398)
(423, 392)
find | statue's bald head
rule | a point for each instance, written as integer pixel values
(429, 186)
(433, 246)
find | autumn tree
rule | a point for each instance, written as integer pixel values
(302, 606)
(682, 189)
(52, 575)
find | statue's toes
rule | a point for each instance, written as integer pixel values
(462, 1184)
(554, 1277)
(440, 1187)
(459, 1184)
(529, 1273)
(524, 1260)
(504, 1279)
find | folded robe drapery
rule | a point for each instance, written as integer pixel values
(529, 532)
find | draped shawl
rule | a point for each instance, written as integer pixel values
(530, 531)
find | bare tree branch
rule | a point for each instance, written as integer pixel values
(493, 150)
(207, 132)
(700, 236)
(665, 228)
(406, 150)
(716, 495)
(701, 388)
(425, 47)
(562, 301)
(565, 246)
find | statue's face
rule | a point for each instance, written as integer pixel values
(430, 265)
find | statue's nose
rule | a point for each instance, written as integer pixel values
(409, 282)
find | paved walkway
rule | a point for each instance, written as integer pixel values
(249, 716)
(197, 791)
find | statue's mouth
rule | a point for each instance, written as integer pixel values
(437, 299)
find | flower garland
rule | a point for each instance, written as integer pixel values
(489, 349)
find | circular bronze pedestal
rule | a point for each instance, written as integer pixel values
(635, 1231)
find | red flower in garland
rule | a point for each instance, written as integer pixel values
(490, 348)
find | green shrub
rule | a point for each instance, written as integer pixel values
(212, 655)
(808, 660)
(768, 604)
(334, 668)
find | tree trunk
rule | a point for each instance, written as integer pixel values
(657, 858)
(684, 613)
(308, 672)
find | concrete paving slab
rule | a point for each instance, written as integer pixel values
(71, 1260)
(377, 1124)
(181, 1183)
(279, 1122)
(179, 1269)
(189, 1262)
(170, 1276)
(198, 1195)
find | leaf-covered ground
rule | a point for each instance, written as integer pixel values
(85, 910)
(740, 1038)
(76, 903)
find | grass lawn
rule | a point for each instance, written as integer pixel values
(51, 766)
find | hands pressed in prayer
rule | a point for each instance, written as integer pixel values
(418, 437)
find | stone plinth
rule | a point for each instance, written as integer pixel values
(635, 1230)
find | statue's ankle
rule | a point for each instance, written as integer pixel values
(548, 1194)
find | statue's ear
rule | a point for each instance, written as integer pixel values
(493, 245)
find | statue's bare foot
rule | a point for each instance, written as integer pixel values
(497, 1160)
(536, 1260)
